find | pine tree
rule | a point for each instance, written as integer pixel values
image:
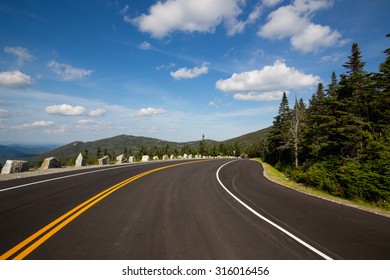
(279, 137)
(357, 79)
(381, 103)
(315, 132)
(354, 64)
(345, 148)
(202, 146)
(332, 87)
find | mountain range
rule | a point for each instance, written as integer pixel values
(19, 151)
(117, 145)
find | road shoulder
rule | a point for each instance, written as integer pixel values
(277, 177)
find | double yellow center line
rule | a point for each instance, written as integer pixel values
(27, 246)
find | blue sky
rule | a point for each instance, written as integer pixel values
(174, 70)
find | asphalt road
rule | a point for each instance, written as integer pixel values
(217, 209)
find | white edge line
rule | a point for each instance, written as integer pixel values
(67, 176)
(269, 221)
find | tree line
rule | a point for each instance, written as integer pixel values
(340, 142)
(203, 149)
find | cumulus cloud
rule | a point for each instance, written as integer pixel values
(284, 22)
(149, 112)
(315, 37)
(65, 110)
(97, 112)
(189, 16)
(22, 54)
(294, 21)
(15, 79)
(68, 72)
(267, 83)
(186, 73)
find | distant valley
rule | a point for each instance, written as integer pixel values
(19, 151)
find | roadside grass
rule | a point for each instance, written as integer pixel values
(276, 176)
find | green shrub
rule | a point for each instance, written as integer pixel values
(361, 182)
(318, 175)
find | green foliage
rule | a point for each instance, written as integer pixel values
(279, 138)
(345, 146)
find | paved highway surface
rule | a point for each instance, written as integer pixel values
(216, 209)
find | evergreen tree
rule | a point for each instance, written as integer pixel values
(142, 151)
(315, 131)
(98, 152)
(332, 87)
(357, 81)
(222, 149)
(346, 134)
(166, 150)
(380, 114)
(279, 137)
(202, 146)
(354, 64)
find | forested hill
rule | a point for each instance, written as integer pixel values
(138, 146)
(341, 142)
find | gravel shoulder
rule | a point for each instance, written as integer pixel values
(38, 172)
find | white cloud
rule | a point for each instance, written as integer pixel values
(42, 123)
(86, 121)
(15, 79)
(68, 72)
(128, 19)
(294, 21)
(185, 73)
(22, 54)
(168, 67)
(145, 45)
(97, 112)
(92, 125)
(267, 83)
(271, 3)
(314, 38)
(235, 26)
(35, 124)
(149, 112)
(284, 22)
(65, 109)
(188, 16)
(310, 6)
(259, 96)
(58, 130)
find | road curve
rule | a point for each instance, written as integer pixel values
(339, 231)
(161, 211)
